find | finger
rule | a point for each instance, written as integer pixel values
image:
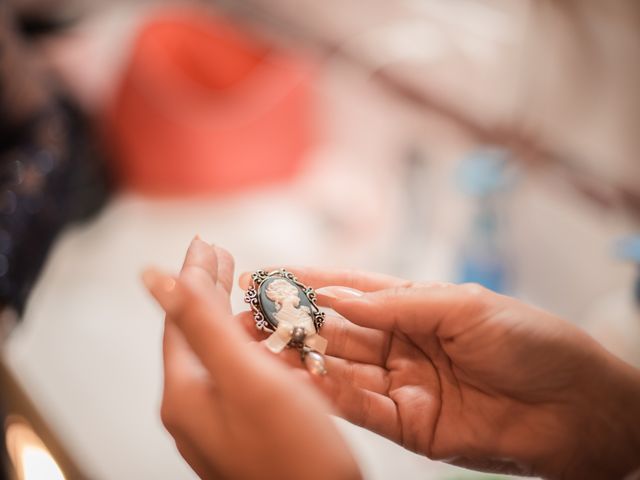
(201, 262)
(192, 416)
(360, 375)
(225, 268)
(181, 366)
(248, 323)
(433, 308)
(179, 361)
(209, 329)
(344, 339)
(370, 410)
(202, 269)
(345, 372)
(353, 342)
(319, 277)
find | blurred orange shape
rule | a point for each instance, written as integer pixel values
(204, 108)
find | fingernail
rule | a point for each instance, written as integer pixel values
(192, 244)
(198, 246)
(161, 286)
(197, 240)
(339, 293)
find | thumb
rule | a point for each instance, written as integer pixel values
(438, 308)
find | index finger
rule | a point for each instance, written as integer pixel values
(181, 365)
(218, 341)
(201, 261)
(322, 277)
(443, 309)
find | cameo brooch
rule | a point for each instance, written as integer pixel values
(285, 308)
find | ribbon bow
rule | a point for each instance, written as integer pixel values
(279, 339)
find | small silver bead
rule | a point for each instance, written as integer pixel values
(298, 334)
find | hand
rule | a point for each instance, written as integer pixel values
(234, 409)
(478, 379)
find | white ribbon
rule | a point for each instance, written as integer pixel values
(279, 339)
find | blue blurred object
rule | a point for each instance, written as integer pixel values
(484, 172)
(628, 248)
(484, 176)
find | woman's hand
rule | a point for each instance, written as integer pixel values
(234, 409)
(481, 380)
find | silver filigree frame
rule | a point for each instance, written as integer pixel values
(252, 297)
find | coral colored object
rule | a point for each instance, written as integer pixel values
(204, 108)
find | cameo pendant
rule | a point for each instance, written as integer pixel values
(285, 308)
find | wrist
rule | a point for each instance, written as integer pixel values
(606, 429)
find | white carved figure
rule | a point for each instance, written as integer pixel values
(288, 309)
(290, 314)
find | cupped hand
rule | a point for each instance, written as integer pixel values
(478, 379)
(235, 410)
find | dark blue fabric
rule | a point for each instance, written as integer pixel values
(50, 172)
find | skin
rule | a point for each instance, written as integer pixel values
(456, 373)
(234, 409)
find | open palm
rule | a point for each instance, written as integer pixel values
(453, 372)
(462, 374)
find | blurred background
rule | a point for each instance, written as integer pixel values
(465, 140)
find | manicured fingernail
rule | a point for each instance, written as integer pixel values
(339, 293)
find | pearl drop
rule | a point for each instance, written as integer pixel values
(315, 363)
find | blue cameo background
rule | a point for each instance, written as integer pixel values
(269, 307)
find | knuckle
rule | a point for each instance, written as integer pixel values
(197, 272)
(408, 284)
(169, 415)
(394, 292)
(403, 292)
(474, 289)
(341, 335)
(351, 274)
(477, 297)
